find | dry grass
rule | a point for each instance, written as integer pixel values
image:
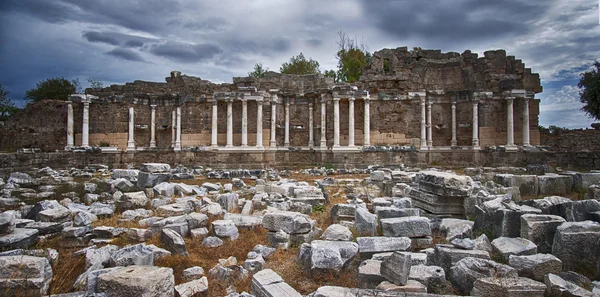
(114, 222)
(66, 270)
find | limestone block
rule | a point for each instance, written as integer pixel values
(368, 246)
(173, 242)
(582, 235)
(535, 266)
(507, 221)
(396, 268)
(267, 283)
(327, 256)
(137, 281)
(369, 274)
(433, 277)
(554, 184)
(289, 222)
(444, 184)
(507, 287)
(337, 232)
(406, 227)
(24, 276)
(366, 222)
(466, 271)
(20, 238)
(446, 256)
(540, 229)
(507, 246)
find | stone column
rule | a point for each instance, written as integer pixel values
(153, 127)
(273, 142)
(131, 141)
(429, 126)
(229, 123)
(510, 129)
(178, 134)
(244, 123)
(70, 138)
(85, 131)
(311, 140)
(423, 128)
(475, 125)
(214, 125)
(453, 142)
(323, 143)
(259, 122)
(351, 122)
(286, 141)
(173, 128)
(367, 123)
(526, 121)
(336, 122)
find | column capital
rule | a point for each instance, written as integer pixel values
(153, 106)
(429, 103)
(453, 104)
(259, 102)
(310, 105)
(510, 99)
(351, 99)
(475, 102)
(336, 99)
(69, 102)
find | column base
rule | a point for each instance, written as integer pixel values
(511, 148)
(424, 148)
(347, 149)
(320, 148)
(130, 149)
(453, 143)
(214, 146)
(476, 148)
(240, 149)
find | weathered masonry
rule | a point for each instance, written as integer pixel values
(412, 100)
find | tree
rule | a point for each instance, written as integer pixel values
(352, 58)
(94, 83)
(300, 65)
(56, 88)
(7, 107)
(333, 74)
(259, 71)
(590, 93)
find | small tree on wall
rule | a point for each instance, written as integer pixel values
(56, 88)
(259, 71)
(300, 65)
(589, 83)
(7, 107)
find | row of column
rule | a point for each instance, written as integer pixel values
(427, 131)
(426, 125)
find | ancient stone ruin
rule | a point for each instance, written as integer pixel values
(425, 178)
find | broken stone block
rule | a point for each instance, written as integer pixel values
(444, 184)
(540, 230)
(289, 222)
(466, 271)
(192, 288)
(175, 209)
(134, 281)
(394, 212)
(507, 221)
(432, 277)
(368, 246)
(132, 200)
(535, 266)
(579, 211)
(20, 238)
(369, 274)
(24, 276)
(456, 228)
(337, 232)
(507, 286)
(173, 242)
(406, 227)
(244, 221)
(365, 222)
(267, 283)
(57, 214)
(254, 264)
(342, 212)
(410, 287)
(396, 268)
(558, 287)
(149, 180)
(327, 256)
(582, 235)
(139, 254)
(554, 184)
(446, 256)
(192, 273)
(228, 201)
(199, 233)
(212, 242)
(506, 246)
(7, 222)
(225, 229)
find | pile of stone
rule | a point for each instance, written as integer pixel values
(441, 193)
(287, 229)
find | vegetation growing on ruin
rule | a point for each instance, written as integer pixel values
(589, 82)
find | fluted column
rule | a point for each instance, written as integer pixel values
(336, 122)
(244, 123)
(429, 126)
(311, 140)
(273, 142)
(70, 138)
(214, 125)
(286, 141)
(85, 131)
(153, 127)
(173, 127)
(367, 124)
(323, 142)
(178, 133)
(526, 121)
(229, 123)
(510, 127)
(475, 125)
(423, 128)
(259, 122)
(351, 122)
(453, 142)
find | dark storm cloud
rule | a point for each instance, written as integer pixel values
(126, 54)
(456, 21)
(48, 11)
(114, 38)
(186, 53)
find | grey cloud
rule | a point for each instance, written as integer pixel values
(185, 53)
(48, 11)
(125, 54)
(209, 25)
(314, 42)
(115, 38)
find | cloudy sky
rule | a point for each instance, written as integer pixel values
(124, 40)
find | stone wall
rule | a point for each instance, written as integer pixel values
(585, 140)
(10, 162)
